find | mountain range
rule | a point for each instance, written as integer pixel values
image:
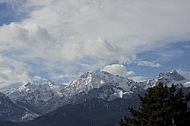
(95, 98)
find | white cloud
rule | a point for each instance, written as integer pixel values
(12, 72)
(117, 69)
(138, 78)
(37, 78)
(62, 35)
(13, 65)
(148, 64)
(101, 49)
(8, 77)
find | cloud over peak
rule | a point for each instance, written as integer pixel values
(66, 38)
(117, 69)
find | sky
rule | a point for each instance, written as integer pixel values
(59, 40)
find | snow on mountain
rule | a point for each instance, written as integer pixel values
(34, 95)
(95, 80)
(9, 111)
(186, 84)
(90, 85)
(47, 97)
(99, 84)
(169, 78)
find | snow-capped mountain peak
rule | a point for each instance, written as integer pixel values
(97, 79)
(98, 84)
(26, 87)
(34, 94)
(168, 78)
(89, 81)
(172, 75)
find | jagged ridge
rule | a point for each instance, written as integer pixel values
(98, 84)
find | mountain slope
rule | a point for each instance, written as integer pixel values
(48, 97)
(168, 78)
(33, 96)
(9, 111)
(93, 112)
(96, 84)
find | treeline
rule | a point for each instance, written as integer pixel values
(160, 106)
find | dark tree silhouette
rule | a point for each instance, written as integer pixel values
(160, 106)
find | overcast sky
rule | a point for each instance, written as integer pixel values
(59, 40)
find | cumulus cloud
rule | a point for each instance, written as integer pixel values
(69, 37)
(117, 69)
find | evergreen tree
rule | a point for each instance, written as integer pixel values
(160, 106)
